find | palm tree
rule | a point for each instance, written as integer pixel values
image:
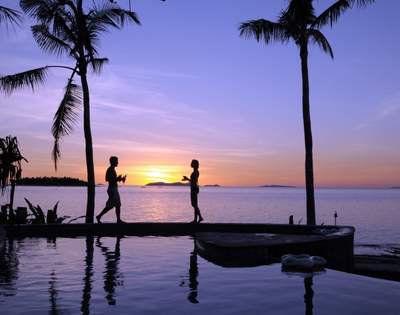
(70, 28)
(299, 23)
(10, 165)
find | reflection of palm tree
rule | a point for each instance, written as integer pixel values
(8, 267)
(65, 28)
(87, 279)
(112, 276)
(53, 294)
(308, 295)
(299, 23)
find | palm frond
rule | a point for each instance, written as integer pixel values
(10, 160)
(264, 30)
(361, 3)
(66, 116)
(111, 16)
(48, 42)
(299, 12)
(10, 16)
(97, 64)
(41, 10)
(332, 14)
(31, 78)
(318, 38)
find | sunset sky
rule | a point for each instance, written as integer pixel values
(184, 85)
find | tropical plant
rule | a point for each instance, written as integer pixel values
(299, 23)
(10, 165)
(9, 17)
(68, 28)
(40, 218)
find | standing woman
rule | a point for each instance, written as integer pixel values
(194, 190)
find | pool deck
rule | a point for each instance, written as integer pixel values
(155, 228)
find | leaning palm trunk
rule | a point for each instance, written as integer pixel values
(309, 169)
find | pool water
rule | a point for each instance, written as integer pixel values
(165, 275)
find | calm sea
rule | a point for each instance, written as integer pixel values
(168, 275)
(375, 213)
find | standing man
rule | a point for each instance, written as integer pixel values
(112, 191)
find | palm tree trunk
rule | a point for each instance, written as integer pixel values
(309, 169)
(88, 146)
(12, 192)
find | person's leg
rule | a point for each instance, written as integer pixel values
(118, 213)
(198, 214)
(193, 200)
(117, 201)
(103, 212)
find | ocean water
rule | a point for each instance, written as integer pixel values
(375, 213)
(166, 275)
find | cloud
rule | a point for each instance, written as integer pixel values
(388, 108)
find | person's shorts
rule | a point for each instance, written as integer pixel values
(113, 198)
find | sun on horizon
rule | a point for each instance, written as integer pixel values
(145, 174)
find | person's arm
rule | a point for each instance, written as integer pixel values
(185, 178)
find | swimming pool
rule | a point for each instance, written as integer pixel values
(165, 275)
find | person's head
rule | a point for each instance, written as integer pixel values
(114, 161)
(195, 164)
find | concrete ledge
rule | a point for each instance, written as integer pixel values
(384, 267)
(161, 228)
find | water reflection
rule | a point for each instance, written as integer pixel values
(8, 267)
(308, 295)
(308, 287)
(192, 277)
(112, 276)
(53, 293)
(87, 279)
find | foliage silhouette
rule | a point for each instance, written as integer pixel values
(10, 165)
(10, 17)
(299, 23)
(68, 28)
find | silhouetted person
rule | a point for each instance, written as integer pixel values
(112, 277)
(113, 195)
(194, 190)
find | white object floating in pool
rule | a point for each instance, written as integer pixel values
(302, 262)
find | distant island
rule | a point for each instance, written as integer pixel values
(51, 181)
(277, 186)
(168, 184)
(396, 187)
(177, 184)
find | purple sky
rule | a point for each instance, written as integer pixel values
(184, 85)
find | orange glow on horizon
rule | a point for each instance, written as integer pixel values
(144, 174)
